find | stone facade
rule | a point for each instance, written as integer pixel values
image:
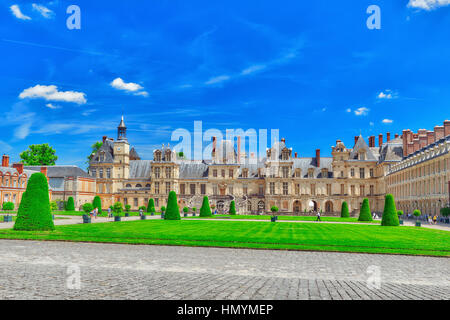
(297, 185)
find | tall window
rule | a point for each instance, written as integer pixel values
(285, 188)
(94, 172)
(352, 172)
(371, 173)
(272, 187)
(203, 188)
(230, 172)
(285, 172)
(167, 187)
(215, 173)
(182, 189)
(192, 186)
(156, 187)
(361, 173)
(108, 173)
(168, 173)
(135, 202)
(223, 173)
(342, 189)
(157, 172)
(361, 190)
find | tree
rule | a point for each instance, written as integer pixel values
(53, 206)
(364, 213)
(172, 211)
(344, 210)
(185, 209)
(399, 213)
(163, 209)
(117, 209)
(127, 208)
(88, 207)
(390, 217)
(274, 210)
(34, 210)
(97, 203)
(39, 155)
(95, 147)
(232, 208)
(205, 210)
(417, 213)
(70, 205)
(8, 206)
(151, 206)
(445, 212)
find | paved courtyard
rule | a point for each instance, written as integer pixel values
(39, 270)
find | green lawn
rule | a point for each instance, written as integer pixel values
(286, 218)
(104, 214)
(15, 217)
(245, 234)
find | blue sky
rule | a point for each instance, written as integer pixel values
(311, 69)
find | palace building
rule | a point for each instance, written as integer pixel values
(413, 166)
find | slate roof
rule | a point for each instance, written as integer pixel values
(140, 169)
(362, 145)
(306, 163)
(392, 150)
(193, 170)
(60, 171)
(108, 150)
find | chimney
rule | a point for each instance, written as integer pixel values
(372, 141)
(423, 141)
(416, 145)
(5, 161)
(410, 148)
(44, 170)
(439, 132)
(380, 139)
(356, 139)
(18, 167)
(430, 137)
(388, 136)
(104, 138)
(446, 128)
(214, 139)
(396, 135)
(239, 150)
(283, 140)
(318, 157)
(295, 154)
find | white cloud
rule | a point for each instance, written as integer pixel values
(135, 88)
(387, 121)
(51, 106)
(362, 111)
(217, 79)
(252, 69)
(45, 12)
(348, 110)
(88, 112)
(387, 94)
(428, 4)
(23, 130)
(15, 9)
(51, 93)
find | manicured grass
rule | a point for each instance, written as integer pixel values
(104, 214)
(285, 218)
(245, 234)
(2, 218)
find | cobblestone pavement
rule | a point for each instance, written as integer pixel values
(39, 270)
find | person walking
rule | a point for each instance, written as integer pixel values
(318, 216)
(140, 212)
(435, 219)
(109, 212)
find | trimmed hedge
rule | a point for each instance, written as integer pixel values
(172, 210)
(118, 209)
(390, 217)
(344, 210)
(7, 206)
(445, 212)
(88, 207)
(417, 213)
(205, 210)
(97, 203)
(70, 205)
(151, 205)
(364, 213)
(232, 208)
(34, 211)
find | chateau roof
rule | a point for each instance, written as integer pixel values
(362, 145)
(306, 163)
(60, 171)
(191, 169)
(140, 168)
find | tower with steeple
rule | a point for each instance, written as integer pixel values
(122, 130)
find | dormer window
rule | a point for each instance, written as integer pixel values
(157, 156)
(285, 155)
(362, 155)
(310, 173)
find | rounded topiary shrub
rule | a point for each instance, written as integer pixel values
(417, 213)
(151, 205)
(70, 205)
(390, 217)
(88, 207)
(8, 206)
(364, 213)
(344, 210)
(233, 207)
(97, 203)
(399, 212)
(34, 210)
(205, 210)
(172, 210)
(118, 209)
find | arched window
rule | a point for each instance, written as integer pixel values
(147, 185)
(138, 185)
(128, 185)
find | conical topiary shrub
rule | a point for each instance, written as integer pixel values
(70, 205)
(232, 208)
(172, 210)
(364, 213)
(390, 217)
(97, 203)
(34, 210)
(151, 206)
(344, 210)
(205, 210)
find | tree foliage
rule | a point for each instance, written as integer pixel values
(70, 205)
(205, 210)
(118, 209)
(39, 155)
(34, 211)
(232, 208)
(97, 203)
(364, 213)
(344, 210)
(390, 217)
(95, 147)
(7, 206)
(172, 211)
(88, 207)
(151, 205)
